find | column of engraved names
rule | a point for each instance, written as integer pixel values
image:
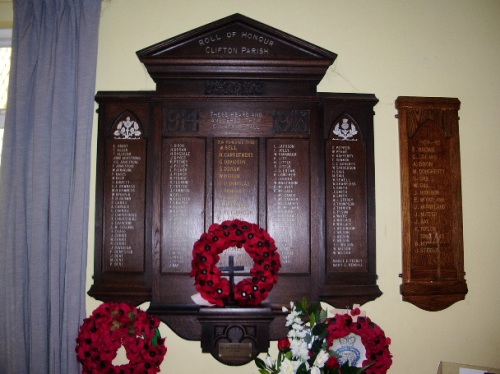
(429, 202)
(125, 209)
(288, 201)
(178, 198)
(236, 187)
(346, 218)
(183, 200)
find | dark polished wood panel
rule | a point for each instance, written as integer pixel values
(433, 265)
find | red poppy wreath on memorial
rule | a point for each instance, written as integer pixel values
(113, 325)
(260, 246)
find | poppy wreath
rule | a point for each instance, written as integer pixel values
(372, 337)
(113, 325)
(261, 247)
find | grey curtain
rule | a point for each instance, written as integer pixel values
(44, 183)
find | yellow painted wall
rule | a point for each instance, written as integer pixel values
(390, 48)
(6, 14)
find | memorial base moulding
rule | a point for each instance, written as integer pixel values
(235, 336)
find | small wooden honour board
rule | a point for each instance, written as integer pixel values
(433, 261)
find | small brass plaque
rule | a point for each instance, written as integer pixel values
(235, 350)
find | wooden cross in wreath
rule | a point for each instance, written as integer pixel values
(230, 269)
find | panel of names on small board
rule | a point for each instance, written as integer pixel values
(346, 213)
(430, 204)
(433, 265)
(125, 198)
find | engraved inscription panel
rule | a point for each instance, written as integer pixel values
(183, 199)
(206, 121)
(346, 199)
(236, 183)
(234, 42)
(288, 204)
(430, 204)
(125, 182)
(236, 121)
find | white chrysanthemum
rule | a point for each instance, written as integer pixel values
(287, 367)
(297, 331)
(299, 349)
(315, 370)
(269, 361)
(292, 317)
(321, 358)
(301, 334)
(294, 334)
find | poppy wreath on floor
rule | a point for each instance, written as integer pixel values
(113, 325)
(372, 337)
(259, 245)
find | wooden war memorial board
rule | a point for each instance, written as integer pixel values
(234, 130)
(433, 264)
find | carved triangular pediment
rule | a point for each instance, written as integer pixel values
(236, 47)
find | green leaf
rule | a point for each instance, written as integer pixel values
(260, 363)
(302, 369)
(319, 329)
(303, 305)
(312, 319)
(317, 345)
(281, 357)
(314, 308)
(156, 337)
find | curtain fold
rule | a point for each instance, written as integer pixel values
(44, 184)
